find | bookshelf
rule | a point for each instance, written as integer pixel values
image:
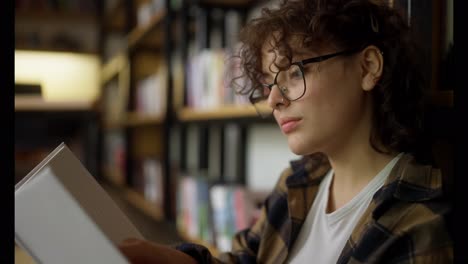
(155, 52)
(212, 124)
(135, 78)
(36, 103)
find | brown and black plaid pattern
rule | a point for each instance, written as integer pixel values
(405, 222)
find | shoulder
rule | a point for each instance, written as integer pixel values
(413, 210)
(412, 197)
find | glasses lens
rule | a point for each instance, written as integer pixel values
(259, 100)
(291, 82)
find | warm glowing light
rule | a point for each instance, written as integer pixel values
(63, 75)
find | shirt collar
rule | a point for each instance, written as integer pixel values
(408, 180)
(308, 170)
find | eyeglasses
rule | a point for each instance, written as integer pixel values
(290, 82)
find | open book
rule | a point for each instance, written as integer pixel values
(63, 215)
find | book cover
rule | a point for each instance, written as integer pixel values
(62, 214)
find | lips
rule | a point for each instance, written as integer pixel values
(289, 124)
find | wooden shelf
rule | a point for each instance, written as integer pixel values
(137, 35)
(213, 249)
(140, 119)
(35, 103)
(225, 112)
(139, 201)
(133, 120)
(113, 67)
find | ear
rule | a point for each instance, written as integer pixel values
(372, 65)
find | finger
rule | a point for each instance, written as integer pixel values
(137, 251)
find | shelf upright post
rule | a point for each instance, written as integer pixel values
(169, 204)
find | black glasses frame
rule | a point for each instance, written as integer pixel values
(301, 65)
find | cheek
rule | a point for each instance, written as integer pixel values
(320, 96)
(330, 103)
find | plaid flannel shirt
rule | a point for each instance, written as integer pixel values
(406, 221)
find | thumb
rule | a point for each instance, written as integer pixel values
(133, 249)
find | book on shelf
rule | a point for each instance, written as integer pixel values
(232, 211)
(209, 75)
(150, 96)
(210, 213)
(193, 208)
(63, 215)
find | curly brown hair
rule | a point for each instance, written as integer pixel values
(347, 24)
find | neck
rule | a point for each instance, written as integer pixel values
(352, 172)
(355, 163)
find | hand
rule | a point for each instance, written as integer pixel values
(140, 251)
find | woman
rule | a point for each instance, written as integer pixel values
(339, 78)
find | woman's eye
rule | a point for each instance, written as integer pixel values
(295, 73)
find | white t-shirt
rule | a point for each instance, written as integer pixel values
(323, 236)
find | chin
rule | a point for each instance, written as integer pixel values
(301, 147)
(298, 148)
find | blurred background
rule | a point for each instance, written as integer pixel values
(137, 89)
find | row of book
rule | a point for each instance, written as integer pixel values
(212, 213)
(210, 66)
(216, 151)
(209, 76)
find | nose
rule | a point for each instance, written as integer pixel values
(275, 98)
